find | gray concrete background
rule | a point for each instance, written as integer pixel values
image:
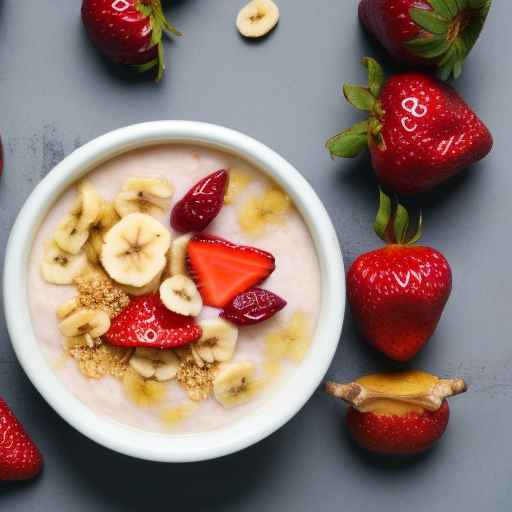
(56, 94)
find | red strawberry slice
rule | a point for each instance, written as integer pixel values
(201, 204)
(20, 458)
(222, 270)
(146, 322)
(253, 306)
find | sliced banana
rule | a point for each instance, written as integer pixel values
(135, 249)
(179, 294)
(160, 364)
(178, 255)
(107, 218)
(257, 18)
(152, 286)
(144, 195)
(218, 341)
(67, 308)
(61, 267)
(85, 321)
(235, 384)
(73, 231)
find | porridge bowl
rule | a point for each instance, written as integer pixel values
(241, 316)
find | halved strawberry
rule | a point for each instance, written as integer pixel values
(146, 322)
(222, 270)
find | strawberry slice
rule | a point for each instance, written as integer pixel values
(146, 322)
(222, 270)
(253, 307)
(201, 204)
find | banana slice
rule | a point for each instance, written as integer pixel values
(178, 255)
(73, 231)
(67, 308)
(257, 18)
(236, 384)
(152, 286)
(88, 324)
(61, 267)
(135, 249)
(179, 294)
(107, 218)
(143, 393)
(144, 195)
(160, 364)
(218, 341)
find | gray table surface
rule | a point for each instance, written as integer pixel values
(56, 94)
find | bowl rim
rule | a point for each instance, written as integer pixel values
(249, 429)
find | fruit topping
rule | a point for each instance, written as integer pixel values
(107, 217)
(217, 343)
(222, 270)
(146, 322)
(149, 195)
(20, 459)
(252, 307)
(87, 323)
(179, 294)
(153, 362)
(178, 255)
(143, 392)
(135, 250)
(291, 341)
(238, 181)
(61, 267)
(257, 18)
(260, 211)
(201, 204)
(236, 384)
(397, 413)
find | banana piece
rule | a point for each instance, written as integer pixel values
(235, 384)
(152, 286)
(218, 341)
(178, 255)
(67, 308)
(135, 249)
(85, 321)
(107, 218)
(61, 267)
(257, 18)
(144, 195)
(142, 392)
(179, 294)
(160, 364)
(73, 231)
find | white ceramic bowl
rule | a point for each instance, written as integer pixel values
(289, 396)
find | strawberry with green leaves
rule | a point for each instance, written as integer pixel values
(433, 33)
(129, 31)
(419, 131)
(397, 293)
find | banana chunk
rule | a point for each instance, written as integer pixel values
(67, 308)
(218, 341)
(88, 324)
(61, 267)
(152, 286)
(148, 195)
(107, 218)
(73, 231)
(178, 255)
(179, 294)
(257, 18)
(236, 384)
(160, 364)
(135, 249)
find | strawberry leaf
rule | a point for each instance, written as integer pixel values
(419, 230)
(429, 46)
(359, 97)
(347, 144)
(375, 76)
(442, 8)
(383, 215)
(430, 21)
(400, 224)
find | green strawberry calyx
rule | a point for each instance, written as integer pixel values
(449, 30)
(392, 222)
(353, 141)
(159, 26)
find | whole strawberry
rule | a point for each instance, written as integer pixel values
(129, 31)
(419, 131)
(397, 293)
(20, 458)
(433, 33)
